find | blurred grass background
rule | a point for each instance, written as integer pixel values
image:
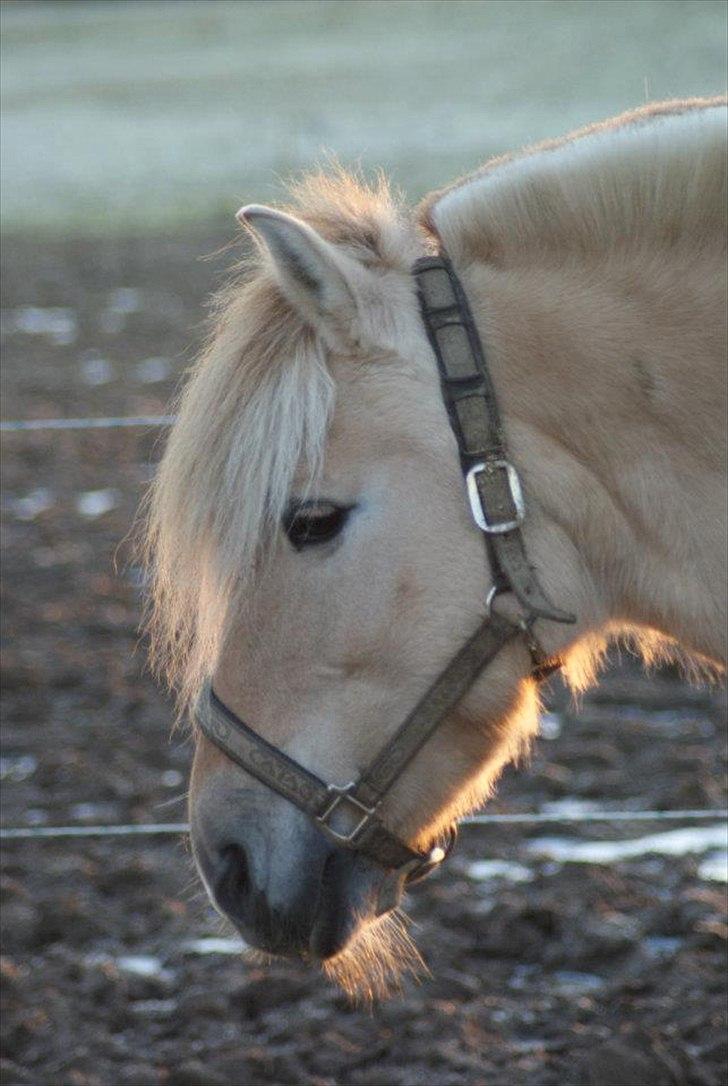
(168, 114)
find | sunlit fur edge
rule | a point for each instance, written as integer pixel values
(374, 965)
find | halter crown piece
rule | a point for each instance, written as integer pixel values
(348, 814)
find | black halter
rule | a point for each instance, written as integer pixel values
(348, 814)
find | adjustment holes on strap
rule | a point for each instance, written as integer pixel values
(437, 290)
(456, 352)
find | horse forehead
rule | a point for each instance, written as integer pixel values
(383, 408)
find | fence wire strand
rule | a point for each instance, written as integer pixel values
(158, 829)
(112, 423)
(155, 829)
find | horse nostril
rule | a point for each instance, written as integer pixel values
(233, 885)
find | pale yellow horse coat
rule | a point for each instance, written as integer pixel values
(596, 270)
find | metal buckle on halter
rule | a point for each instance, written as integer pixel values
(339, 796)
(476, 502)
(543, 665)
(390, 890)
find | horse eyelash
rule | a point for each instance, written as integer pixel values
(296, 515)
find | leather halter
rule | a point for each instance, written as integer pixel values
(348, 814)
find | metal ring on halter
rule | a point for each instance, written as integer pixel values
(436, 857)
(493, 591)
(543, 665)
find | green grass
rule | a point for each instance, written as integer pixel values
(158, 115)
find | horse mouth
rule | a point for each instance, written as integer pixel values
(369, 958)
(375, 962)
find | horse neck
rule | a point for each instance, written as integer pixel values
(612, 386)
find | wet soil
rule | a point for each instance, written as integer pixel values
(576, 974)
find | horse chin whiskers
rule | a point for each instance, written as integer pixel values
(377, 959)
(254, 956)
(371, 967)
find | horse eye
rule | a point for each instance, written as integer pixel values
(311, 523)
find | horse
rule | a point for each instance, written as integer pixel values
(314, 561)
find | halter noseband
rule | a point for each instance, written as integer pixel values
(348, 814)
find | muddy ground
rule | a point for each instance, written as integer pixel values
(547, 973)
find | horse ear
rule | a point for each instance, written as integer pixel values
(317, 280)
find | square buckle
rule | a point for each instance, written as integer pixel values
(337, 797)
(477, 508)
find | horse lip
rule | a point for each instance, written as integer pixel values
(390, 892)
(326, 940)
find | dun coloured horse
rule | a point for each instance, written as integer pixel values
(359, 634)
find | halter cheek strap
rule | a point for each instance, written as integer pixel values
(348, 814)
(492, 482)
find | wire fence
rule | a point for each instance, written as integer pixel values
(122, 422)
(155, 829)
(159, 829)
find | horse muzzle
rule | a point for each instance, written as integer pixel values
(287, 888)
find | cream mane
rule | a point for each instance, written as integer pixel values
(655, 175)
(255, 408)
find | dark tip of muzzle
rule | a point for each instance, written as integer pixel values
(233, 884)
(315, 919)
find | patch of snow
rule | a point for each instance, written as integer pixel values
(33, 504)
(96, 370)
(142, 965)
(136, 577)
(125, 300)
(94, 503)
(671, 843)
(661, 946)
(483, 870)
(172, 778)
(571, 807)
(714, 868)
(215, 945)
(535, 1044)
(568, 982)
(17, 767)
(57, 324)
(152, 370)
(550, 725)
(89, 812)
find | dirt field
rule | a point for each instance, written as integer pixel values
(542, 971)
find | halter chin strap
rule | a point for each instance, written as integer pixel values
(348, 815)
